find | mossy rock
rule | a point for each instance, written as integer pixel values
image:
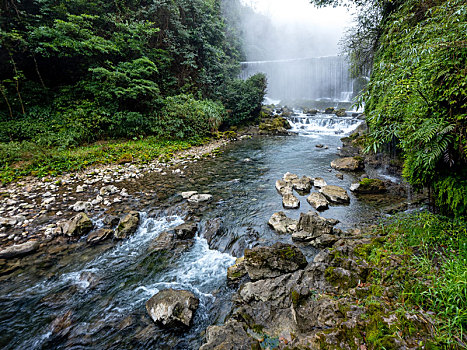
(371, 186)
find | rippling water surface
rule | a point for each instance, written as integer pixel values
(102, 290)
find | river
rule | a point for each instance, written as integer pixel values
(102, 290)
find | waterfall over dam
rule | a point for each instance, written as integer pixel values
(318, 78)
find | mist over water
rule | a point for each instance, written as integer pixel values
(297, 46)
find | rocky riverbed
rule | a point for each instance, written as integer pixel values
(76, 247)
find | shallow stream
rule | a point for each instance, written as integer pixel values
(97, 294)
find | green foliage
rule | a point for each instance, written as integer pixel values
(417, 94)
(243, 99)
(185, 117)
(18, 159)
(77, 71)
(432, 274)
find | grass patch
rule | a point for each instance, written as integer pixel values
(431, 270)
(18, 159)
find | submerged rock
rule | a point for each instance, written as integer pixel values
(173, 308)
(335, 194)
(348, 164)
(18, 250)
(267, 262)
(318, 201)
(282, 224)
(128, 225)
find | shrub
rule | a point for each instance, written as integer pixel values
(243, 99)
(185, 117)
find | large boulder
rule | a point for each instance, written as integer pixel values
(369, 186)
(268, 262)
(173, 308)
(18, 250)
(318, 201)
(289, 201)
(230, 336)
(314, 224)
(282, 224)
(237, 271)
(335, 194)
(80, 225)
(315, 230)
(128, 225)
(348, 164)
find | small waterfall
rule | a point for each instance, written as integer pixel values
(319, 78)
(323, 124)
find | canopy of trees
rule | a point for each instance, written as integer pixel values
(76, 71)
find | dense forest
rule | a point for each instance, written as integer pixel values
(417, 97)
(79, 71)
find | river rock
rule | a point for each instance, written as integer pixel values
(283, 187)
(311, 226)
(99, 236)
(82, 206)
(128, 225)
(18, 250)
(186, 231)
(289, 177)
(200, 198)
(80, 225)
(315, 230)
(169, 243)
(282, 224)
(188, 194)
(268, 262)
(335, 194)
(329, 110)
(302, 185)
(108, 190)
(173, 308)
(289, 201)
(341, 112)
(230, 336)
(319, 182)
(318, 201)
(369, 186)
(348, 164)
(237, 271)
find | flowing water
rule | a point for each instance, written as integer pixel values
(102, 290)
(306, 78)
